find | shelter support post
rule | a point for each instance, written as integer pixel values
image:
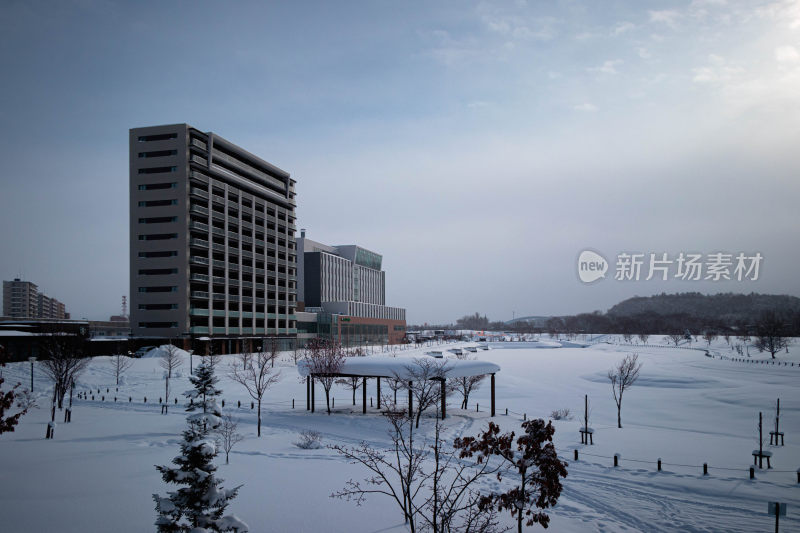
(364, 396)
(492, 394)
(379, 393)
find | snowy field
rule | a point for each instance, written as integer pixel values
(687, 409)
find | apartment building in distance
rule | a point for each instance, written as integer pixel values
(22, 299)
(343, 295)
(212, 247)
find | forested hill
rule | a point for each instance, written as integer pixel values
(728, 307)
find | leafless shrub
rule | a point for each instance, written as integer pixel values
(309, 440)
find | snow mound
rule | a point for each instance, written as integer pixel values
(162, 350)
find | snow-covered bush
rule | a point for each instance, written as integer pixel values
(309, 440)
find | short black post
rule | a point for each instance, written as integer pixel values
(378, 380)
(130, 399)
(506, 411)
(798, 475)
(308, 393)
(705, 469)
(659, 464)
(477, 407)
(576, 455)
(223, 403)
(616, 459)
(239, 404)
(145, 399)
(753, 473)
(292, 403)
(524, 416)
(252, 405)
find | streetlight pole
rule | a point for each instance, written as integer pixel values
(32, 360)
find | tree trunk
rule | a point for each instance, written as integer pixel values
(619, 416)
(259, 418)
(328, 400)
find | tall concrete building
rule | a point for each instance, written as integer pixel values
(22, 299)
(212, 248)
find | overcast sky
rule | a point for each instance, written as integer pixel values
(479, 146)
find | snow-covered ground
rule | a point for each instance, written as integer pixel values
(687, 409)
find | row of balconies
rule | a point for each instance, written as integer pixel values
(200, 311)
(244, 331)
(203, 180)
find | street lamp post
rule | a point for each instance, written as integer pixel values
(32, 360)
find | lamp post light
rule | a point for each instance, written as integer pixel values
(32, 360)
(190, 361)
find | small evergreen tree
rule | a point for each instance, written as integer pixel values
(200, 503)
(204, 392)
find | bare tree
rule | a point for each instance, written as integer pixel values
(643, 337)
(324, 360)
(352, 383)
(425, 378)
(622, 377)
(452, 499)
(63, 363)
(255, 373)
(396, 472)
(465, 385)
(119, 364)
(709, 336)
(675, 338)
(171, 360)
(770, 334)
(227, 436)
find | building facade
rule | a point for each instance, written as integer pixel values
(212, 247)
(22, 299)
(344, 288)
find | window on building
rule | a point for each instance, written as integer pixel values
(160, 137)
(157, 271)
(157, 307)
(158, 186)
(157, 203)
(158, 153)
(161, 288)
(157, 220)
(158, 236)
(157, 170)
(167, 253)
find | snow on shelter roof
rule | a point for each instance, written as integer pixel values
(403, 367)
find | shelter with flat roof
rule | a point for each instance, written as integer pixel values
(401, 369)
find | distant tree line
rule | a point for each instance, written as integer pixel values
(725, 314)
